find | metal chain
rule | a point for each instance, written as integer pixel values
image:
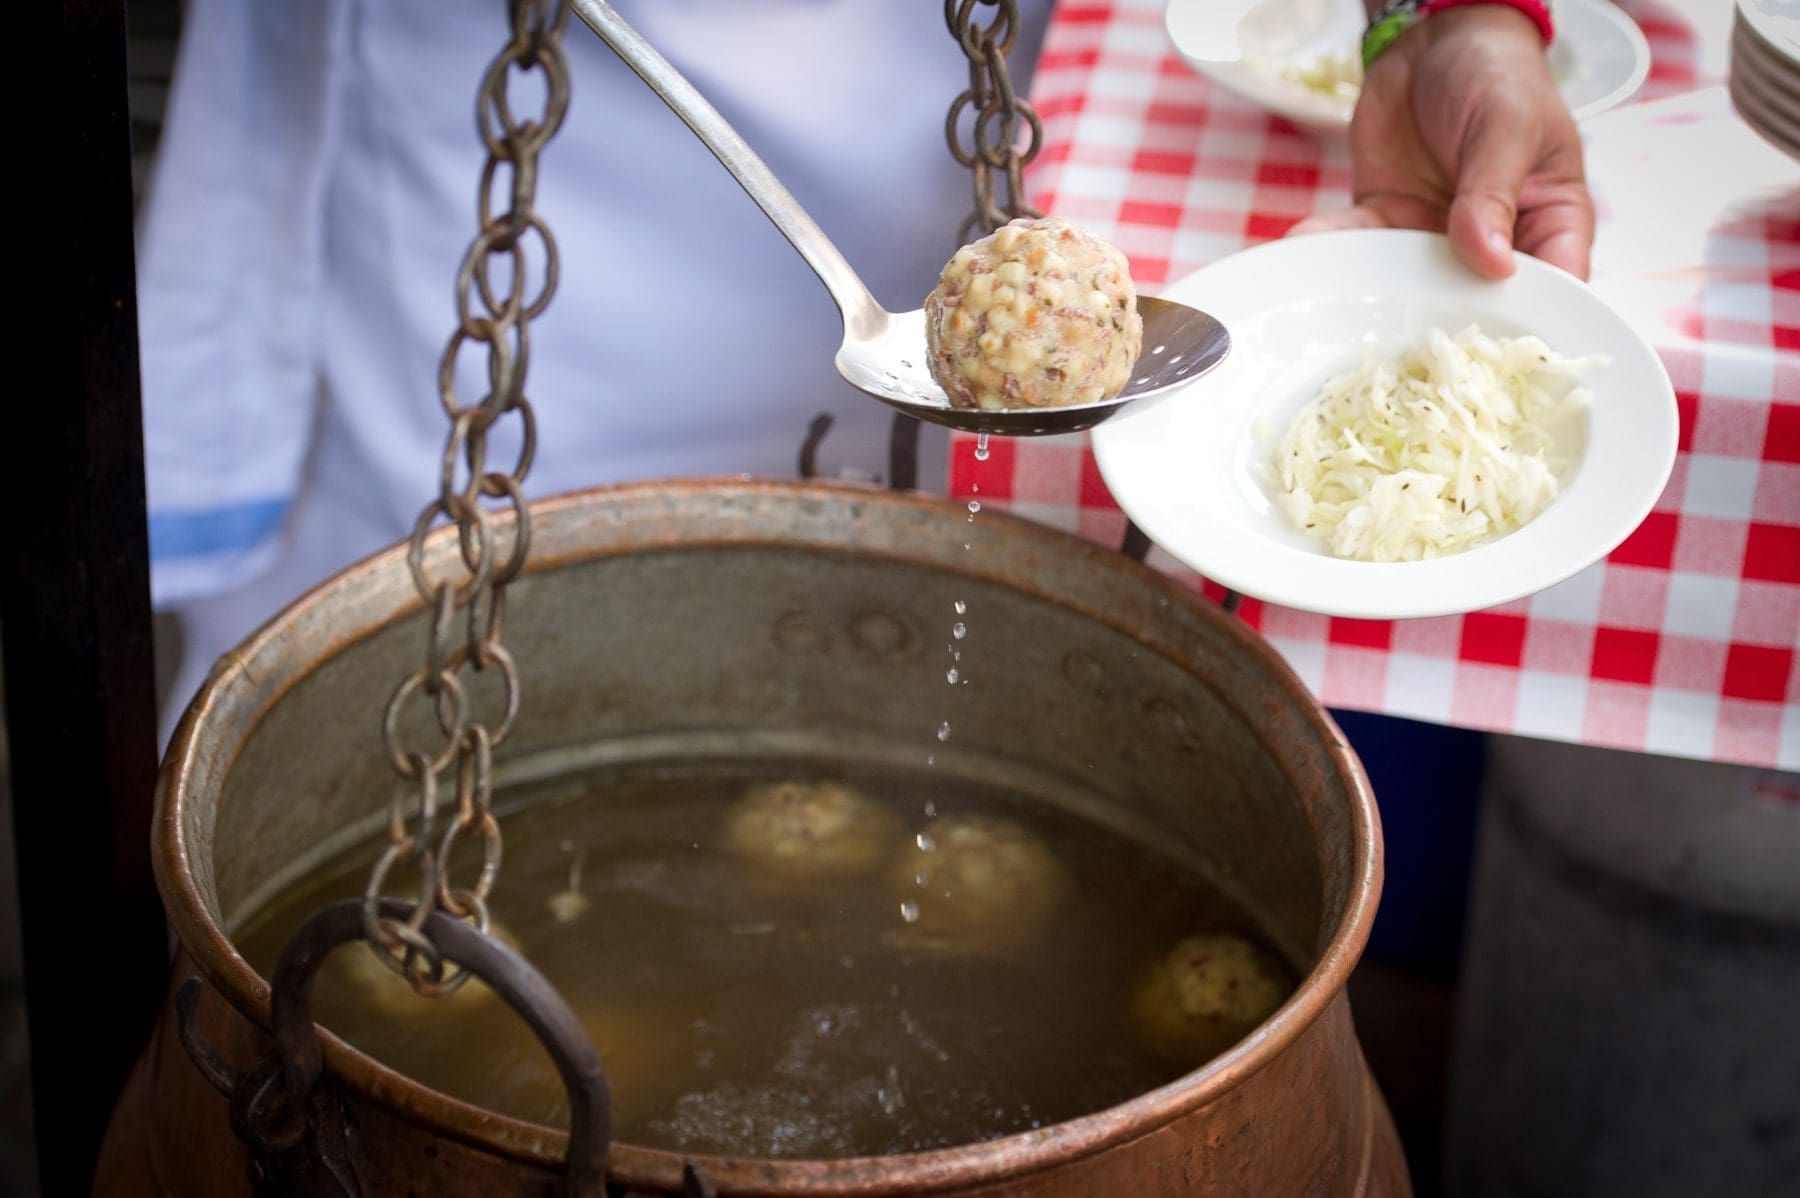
(492, 311)
(994, 112)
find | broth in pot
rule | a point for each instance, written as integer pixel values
(800, 958)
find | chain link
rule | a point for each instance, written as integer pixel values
(993, 114)
(494, 313)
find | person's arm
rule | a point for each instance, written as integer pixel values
(1460, 128)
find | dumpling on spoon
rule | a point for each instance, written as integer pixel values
(1041, 313)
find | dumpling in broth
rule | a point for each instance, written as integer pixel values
(799, 832)
(354, 970)
(1205, 996)
(971, 884)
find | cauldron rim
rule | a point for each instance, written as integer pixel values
(1010, 1156)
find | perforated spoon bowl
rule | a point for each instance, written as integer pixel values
(884, 353)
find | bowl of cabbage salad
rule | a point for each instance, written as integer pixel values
(1394, 436)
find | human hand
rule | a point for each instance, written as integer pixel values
(1460, 128)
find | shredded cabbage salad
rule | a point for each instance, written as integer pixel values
(1335, 76)
(1433, 451)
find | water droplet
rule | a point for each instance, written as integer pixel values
(930, 759)
(889, 1095)
(962, 609)
(930, 809)
(981, 447)
(974, 488)
(950, 676)
(959, 630)
(909, 911)
(921, 879)
(974, 506)
(944, 730)
(926, 844)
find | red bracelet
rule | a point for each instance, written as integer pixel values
(1537, 10)
(1397, 16)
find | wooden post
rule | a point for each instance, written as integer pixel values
(75, 616)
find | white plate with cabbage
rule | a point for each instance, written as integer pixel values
(1301, 59)
(1530, 432)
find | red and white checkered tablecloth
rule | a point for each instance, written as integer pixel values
(1684, 640)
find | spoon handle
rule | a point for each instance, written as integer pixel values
(863, 317)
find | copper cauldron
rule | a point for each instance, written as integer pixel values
(812, 615)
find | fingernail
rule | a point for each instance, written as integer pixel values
(1500, 243)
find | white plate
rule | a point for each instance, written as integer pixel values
(1599, 57)
(1187, 467)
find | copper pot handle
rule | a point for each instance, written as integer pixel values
(510, 976)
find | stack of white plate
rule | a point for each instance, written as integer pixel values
(1765, 69)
